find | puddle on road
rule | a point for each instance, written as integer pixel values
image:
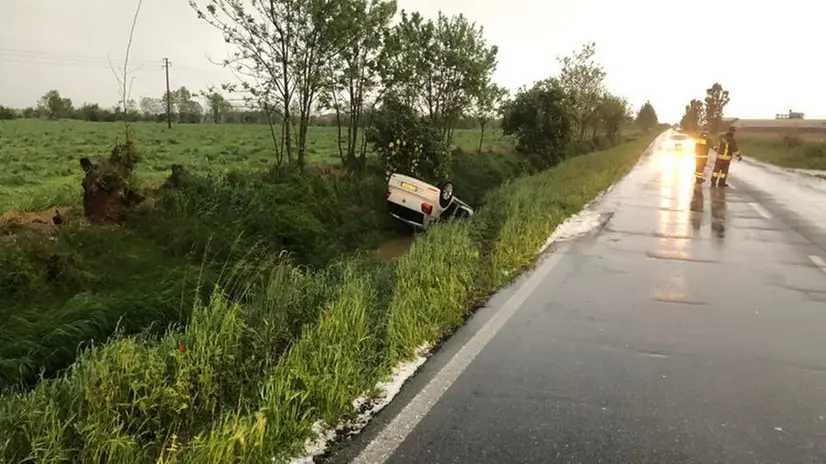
(394, 248)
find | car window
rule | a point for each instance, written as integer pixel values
(450, 211)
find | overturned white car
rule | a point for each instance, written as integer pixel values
(420, 204)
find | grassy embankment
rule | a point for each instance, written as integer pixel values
(789, 150)
(244, 382)
(63, 287)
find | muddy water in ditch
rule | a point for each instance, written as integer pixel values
(394, 248)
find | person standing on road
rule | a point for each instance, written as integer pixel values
(701, 149)
(726, 149)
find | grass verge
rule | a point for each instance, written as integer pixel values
(789, 151)
(247, 382)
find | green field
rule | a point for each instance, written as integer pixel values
(40, 158)
(799, 151)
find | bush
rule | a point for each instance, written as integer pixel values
(540, 119)
(7, 113)
(790, 150)
(313, 217)
(408, 143)
(791, 141)
(476, 174)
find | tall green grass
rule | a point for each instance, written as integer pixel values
(246, 382)
(75, 286)
(790, 151)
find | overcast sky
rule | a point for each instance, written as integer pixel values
(769, 55)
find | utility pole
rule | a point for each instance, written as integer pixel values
(166, 64)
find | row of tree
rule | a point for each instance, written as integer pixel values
(295, 58)
(182, 108)
(401, 86)
(214, 107)
(571, 113)
(708, 113)
(414, 81)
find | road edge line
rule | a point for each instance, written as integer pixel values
(391, 437)
(819, 262)
(760, 209)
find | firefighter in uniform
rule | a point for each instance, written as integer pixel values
(726, 149)
(701, 149)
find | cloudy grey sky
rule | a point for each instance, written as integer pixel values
(767, 54)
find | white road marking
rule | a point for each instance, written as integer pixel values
(760, 210)
(385, 444)
(819, 262)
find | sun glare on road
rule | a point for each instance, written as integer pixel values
(676, 187)
(675, 169)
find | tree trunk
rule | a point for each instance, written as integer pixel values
(481, 137)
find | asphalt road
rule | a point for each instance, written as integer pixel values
(690, 328)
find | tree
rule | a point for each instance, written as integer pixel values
(488, 105)
(693, 118)
(542, 121)
(7, 113)
(90, 112)
(408, 142)
(438, 68)
(715, 102)
(217, 105)
(54, 106)
(647, 117)
(583, 80)
(612, 113)
(151, 107)
(282, 47)
(186, 109)
(352, 73)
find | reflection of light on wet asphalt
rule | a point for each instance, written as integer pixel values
(676, 188)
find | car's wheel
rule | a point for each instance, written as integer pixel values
(445, 192)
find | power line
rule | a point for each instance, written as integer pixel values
(49, 58)
(52, 57)
(132, 69)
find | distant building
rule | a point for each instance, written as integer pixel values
(790, 115)
(786, 124)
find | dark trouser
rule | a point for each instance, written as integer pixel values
(720, 173)
(700, 167)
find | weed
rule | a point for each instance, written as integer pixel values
(786, 150)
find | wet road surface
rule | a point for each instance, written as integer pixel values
(691, 328)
